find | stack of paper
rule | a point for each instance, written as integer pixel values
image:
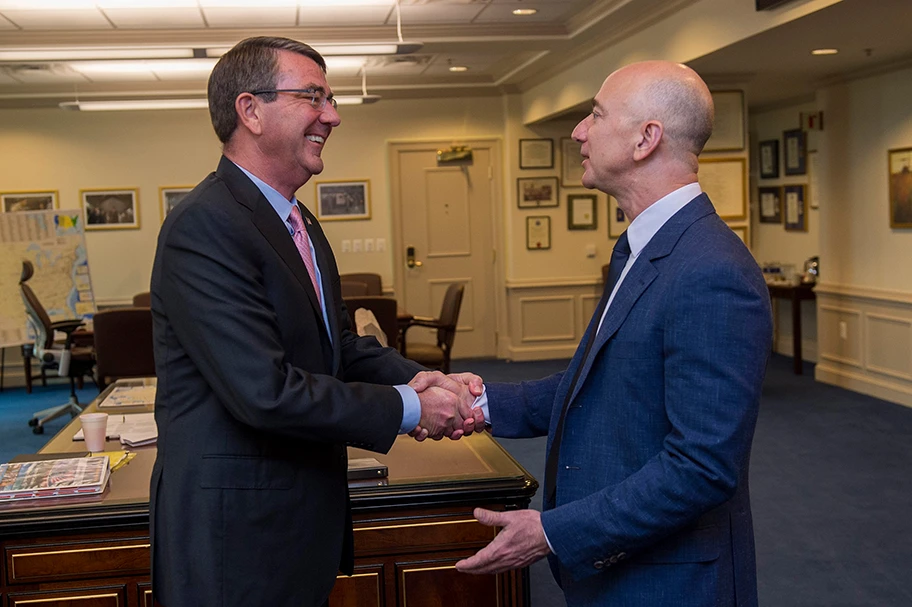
(133, 429)
(53, 478)
(139, 395)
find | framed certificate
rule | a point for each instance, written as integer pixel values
(536, 154)
(795, 208)
(725, 182)
(538, 232)
(728, 125)
(770, 200)
(571, 163)
(794, 145)
(769, 159)
(582, 212)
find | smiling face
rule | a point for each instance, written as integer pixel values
(293, 131)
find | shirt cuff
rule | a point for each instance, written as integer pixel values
(547, 541)
(411, 408)
(482, 401)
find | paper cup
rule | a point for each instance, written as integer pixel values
(94, 428)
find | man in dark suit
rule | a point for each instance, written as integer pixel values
(261, 381)
(650, 427)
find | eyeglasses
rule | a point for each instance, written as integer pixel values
(317, 99)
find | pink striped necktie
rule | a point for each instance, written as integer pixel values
(302, 243)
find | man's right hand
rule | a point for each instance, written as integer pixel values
(465, 387)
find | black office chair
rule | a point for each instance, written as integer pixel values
(436, 356)
(69, 360)
(123, 345)
(373, 281)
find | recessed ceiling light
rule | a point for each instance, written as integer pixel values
(524, 12)
(458, 68)
(824, 51)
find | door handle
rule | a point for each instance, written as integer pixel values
(410, 258)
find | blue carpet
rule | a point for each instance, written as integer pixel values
(830, 485)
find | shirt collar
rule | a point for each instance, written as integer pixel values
(650, 221)
(281, 204)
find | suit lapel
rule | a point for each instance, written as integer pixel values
(641, 275)
(270, 226)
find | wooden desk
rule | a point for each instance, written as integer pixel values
(796, 294)
(409, 532)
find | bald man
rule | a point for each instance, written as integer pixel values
(650, 427)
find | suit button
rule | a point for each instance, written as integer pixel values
(613, 560)
(598, 564)
(622, 556)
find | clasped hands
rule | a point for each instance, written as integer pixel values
(446, 405)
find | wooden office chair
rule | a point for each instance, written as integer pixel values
(373, 281)
(142, 300)
(353, 288)
(431, 355)
(605, 274)
(69, 360)
(384, 309)
(123, 345)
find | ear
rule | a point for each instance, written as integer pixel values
(650, 136)
(248, 110)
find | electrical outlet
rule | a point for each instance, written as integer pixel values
(368, 245)
(381, 245)
(591, 251)
(843, 330)
(357, 245)
(346, 246)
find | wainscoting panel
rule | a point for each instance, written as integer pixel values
(547, 319)
(865, 338)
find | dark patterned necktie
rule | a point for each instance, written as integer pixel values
(619, 257)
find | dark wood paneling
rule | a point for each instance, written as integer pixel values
(363, 589)
(436, 583)
(68, 561)
(110, 596)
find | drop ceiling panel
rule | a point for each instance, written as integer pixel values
(284, 16)
(362, 15)
(6, 79)
(56, 74)
(437, 13)
(147, 18)
(5, 24)
(70, 19)
(397, 65)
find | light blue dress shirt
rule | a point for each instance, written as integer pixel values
(411, 406)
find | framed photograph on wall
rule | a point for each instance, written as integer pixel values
(899, 162)
(536, 154)
(12, 202)
(770, 200)
(571, 163)
(795, 197)
(109, 209)
(538, 232)
(343, 200)
(728, 125)
(769, 159)
(794, 145)
(170, 196)
(617, 221)
(536, 192)
(582, 212)
(725, 182)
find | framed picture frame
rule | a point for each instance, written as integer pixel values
(795, 200)
(571, 163)
(536, 153)
(794, 146)
(769, 159)
(899, 163)
(343, 200)
(536, 192)
(170, 196)
(582, 212)
(728, 125)
(538, 233)
(725, 182)
(110, 209)
(770, 202)
(15, 202)
(617, 221)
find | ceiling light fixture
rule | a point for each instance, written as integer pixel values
(458, 68)
(135, 104)
(93, 53)
(524, 12)
(824, 51)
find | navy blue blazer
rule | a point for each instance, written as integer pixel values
(651, 504)
(255, 405)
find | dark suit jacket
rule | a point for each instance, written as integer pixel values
(255, 404)
(652, 502)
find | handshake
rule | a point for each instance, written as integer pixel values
(447, 405)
